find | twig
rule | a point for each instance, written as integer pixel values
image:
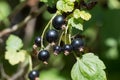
(21, 24)
(29, 29)
(3, 74)
(19, 72)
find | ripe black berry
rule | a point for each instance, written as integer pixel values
(33, 74)
(58, 22)
(77, 43)
(57, 49)
(38, 41)
(52, 36)
(52, 9)
(43, 55)
(67, 49)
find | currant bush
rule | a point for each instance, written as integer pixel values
(69, 14)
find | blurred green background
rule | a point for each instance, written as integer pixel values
(102, 37)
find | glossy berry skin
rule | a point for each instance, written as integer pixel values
(57, 49)
(43, 55)
(38, 41)
(52, 36)
(58, 21)
(52, 9)
(33, 74)
(67, 48)
(77, 43)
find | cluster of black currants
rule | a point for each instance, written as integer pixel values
(76, 45)
(52, 37)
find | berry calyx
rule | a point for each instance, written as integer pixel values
(33, 75)
(57, 50)
(52, 9)
(58, 22)
(37, 41)
(43, 55)
(52, 36)
(77, 44)
(67, 49)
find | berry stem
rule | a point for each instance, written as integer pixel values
(66, 29)
(43, 33)
(37, 67)
(60, 38)
(70, 32)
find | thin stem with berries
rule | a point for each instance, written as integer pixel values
(43, 33)
(66, 29)
(60, 37)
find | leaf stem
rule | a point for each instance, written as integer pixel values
(75, 55)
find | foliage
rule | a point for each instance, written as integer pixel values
(4, 12)
(13, 54)
(89, 67)
(99, 28)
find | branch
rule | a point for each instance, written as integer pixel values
(29, 29)
(20, 72)
(3, 74)
(17, 26)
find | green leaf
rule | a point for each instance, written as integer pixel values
(111, 42)
(65, 6)
(81, 14)
(89, 67)
(112, 53)
(69, 0)
(13, 43)
(93, 59)
(76, 13)
(85, 15)
(15, 57)
(114, 4)
(76, 23)
(76, 73)
(4, 10)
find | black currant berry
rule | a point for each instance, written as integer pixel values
(38, 41)
(33, 75)
(52, 36)
(57, 49)
(67, 49)
(58, 22)
(52, 9)
(77, 43)
(43, 55)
